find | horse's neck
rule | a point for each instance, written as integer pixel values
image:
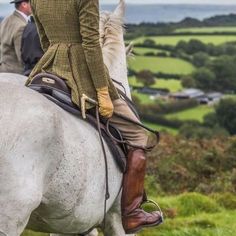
(118, 68)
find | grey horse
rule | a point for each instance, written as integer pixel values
(52, 174)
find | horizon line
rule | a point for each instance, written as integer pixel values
(211, 4)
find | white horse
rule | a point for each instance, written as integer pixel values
(52, 170)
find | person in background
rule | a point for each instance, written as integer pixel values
(31, 50)
(10, 37)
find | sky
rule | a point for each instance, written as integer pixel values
(164, 1)
(174, 1)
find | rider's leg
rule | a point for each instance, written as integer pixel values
(133, 217)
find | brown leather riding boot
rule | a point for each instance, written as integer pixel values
(133, 217)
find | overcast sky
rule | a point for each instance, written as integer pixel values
(165, 1)
(174, 1)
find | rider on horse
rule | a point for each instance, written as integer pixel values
(69, 34)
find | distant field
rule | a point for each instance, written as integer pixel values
(157, 64)
(206, 29)
(161, 128)
(142, 51)
(144, 98)
(196, 113)
(173, 85)
(173, 40)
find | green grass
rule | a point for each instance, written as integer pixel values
(218, 224)
(161, 128)
(173, 85)
(196, 113)
(144, 98)
(193, 214)
(173, 40)
(188, 214)
(206, 29)
(31, 233)
(142, 51)
(164, 65)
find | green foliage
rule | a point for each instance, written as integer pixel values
(146, 77)
(207, 29)
(225, 73)
(210, 120)
(31, 233)
(188, 82)
(204, 78)
(200, 59)
(195, 131)
(174, 40)
(193, 203)
(149, 42)
(226, 200)
(203, 165)
(226, 114)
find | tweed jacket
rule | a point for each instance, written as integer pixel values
(69, 35)
(11, 30)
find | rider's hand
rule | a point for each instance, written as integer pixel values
(106, 107)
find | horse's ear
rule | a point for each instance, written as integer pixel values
(120, 9)
(129, 50)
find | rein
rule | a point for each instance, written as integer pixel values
(107, 194)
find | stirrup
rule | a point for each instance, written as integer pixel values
(145, 200)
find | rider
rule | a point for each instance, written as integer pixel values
(69, 34)
(10, 37)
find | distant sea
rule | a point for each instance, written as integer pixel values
(158, 12)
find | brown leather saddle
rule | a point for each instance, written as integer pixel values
(56, 90)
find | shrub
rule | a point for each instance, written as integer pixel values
(226, 200)
(193, 203)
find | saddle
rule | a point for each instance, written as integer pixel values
(56, 90)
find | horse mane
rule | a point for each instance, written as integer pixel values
(111, 35)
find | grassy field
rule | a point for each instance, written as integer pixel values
(142, 51)
(206, 29)
(192, 214)
(173, 85)
(173, 40)
(196, 113)
(161, 128)
(165, 65)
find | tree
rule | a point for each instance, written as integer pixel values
(146, 77)
(226, 114)
(204, 78)
(225, 71)
(195, 46)
(200, 59)
(149, 42)
(210, 120)
(188, 82)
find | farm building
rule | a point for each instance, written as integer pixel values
(199, 95)
(187, 94)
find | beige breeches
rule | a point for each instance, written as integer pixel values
(134, 134)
